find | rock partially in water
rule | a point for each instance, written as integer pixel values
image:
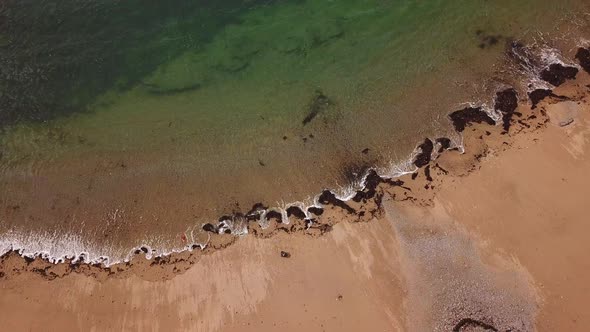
(556, 74)
(444, 144)
(210, 228)
(256, 211)
(583, 56)
(270, 215)
(328, 198)
(315, 210)
(538, 95)
(462, 118)
(423, 158)
(506, 103)
(296, 212)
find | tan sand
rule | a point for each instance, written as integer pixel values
(499, 244)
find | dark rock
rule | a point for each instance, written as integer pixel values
(315, 210)
(556, 74)
(566, 122)
(583, 56)
(328, 198)
(469, 323)
(506, 103)
(255, 212)
(274, 215)
(209, 228)
(295, 211)
(285, 254)
(427, 173)
(445, 144)
(28, 259)
(371, 182)
(538, 95)
(224, 218)
(423, 158)
(464, 117)
(365, 151)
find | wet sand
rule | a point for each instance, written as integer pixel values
(489, 240)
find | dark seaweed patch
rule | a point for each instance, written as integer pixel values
(319, 103)
(464, 117)
(556, 74)
(487, 40)
(583, 56)
(423, 158)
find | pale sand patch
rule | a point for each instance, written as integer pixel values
(246, 287)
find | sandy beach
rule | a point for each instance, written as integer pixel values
(493, 239)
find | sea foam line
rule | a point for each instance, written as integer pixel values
(56, 248)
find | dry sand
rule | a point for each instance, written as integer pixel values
(499, 244)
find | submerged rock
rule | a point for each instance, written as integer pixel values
(462, 118)
(487, 40)
(319, 103)
(325, 32)
(183, 74)
(556, 74)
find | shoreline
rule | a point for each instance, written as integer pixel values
(328, 209)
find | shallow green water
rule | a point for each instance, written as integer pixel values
(133, 121)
